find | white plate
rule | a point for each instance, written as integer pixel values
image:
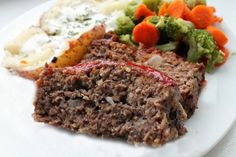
(21, 136)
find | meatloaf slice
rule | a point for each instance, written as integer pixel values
(108, 99)
(188, 76)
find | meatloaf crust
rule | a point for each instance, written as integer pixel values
(188, 76)
(109, 99)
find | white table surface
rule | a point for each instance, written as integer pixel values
(11, 9)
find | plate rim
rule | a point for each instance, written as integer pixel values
(19, 18)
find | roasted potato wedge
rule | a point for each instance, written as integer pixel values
(78, 48)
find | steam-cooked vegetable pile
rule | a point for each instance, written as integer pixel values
(175, 25)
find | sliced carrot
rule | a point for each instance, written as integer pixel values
(163, 9)
(225, 54)
(142, 11)
(186, 14)
(202, 16)
(176, 8)
(146, 33)
(219, 36)
(218, 19)
(212, 8)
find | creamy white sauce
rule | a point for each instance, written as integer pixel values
(38, 44)
(34, 44)
(74, 21)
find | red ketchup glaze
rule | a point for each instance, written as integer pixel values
(154, 73)
(143, 69)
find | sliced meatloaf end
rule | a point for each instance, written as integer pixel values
(188, 76)
(109, 99)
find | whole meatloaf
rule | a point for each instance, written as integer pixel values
(109, 99)
(188, 76)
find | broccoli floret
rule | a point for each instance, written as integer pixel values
(127, 39)
(177, 28)
(171, 46)
(152, 4)
(131, 8)
(192, 3)
(154, 19)
(202, 45)
(173, 28)
(160, 23)
(216, 57)
(124, 25)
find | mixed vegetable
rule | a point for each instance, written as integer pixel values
(174, 25)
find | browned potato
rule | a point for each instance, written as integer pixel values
(78, 48)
